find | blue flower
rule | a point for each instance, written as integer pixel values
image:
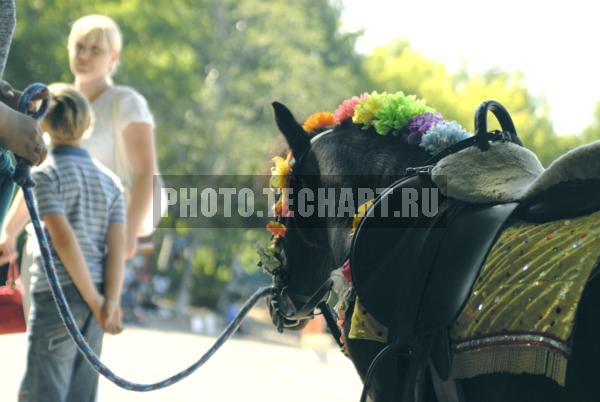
(443, 135)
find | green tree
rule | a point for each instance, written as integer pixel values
(592, 132)
(210, 70)
(399, 67)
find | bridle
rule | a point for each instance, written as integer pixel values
(289, 309)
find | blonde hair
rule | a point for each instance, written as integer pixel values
(69, 113)
(100, 25)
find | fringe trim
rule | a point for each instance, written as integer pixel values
(513, 359)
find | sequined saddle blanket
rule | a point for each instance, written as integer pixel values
(521, 312)
(414, 279)
(425, 288)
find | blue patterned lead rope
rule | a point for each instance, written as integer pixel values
(22, 177)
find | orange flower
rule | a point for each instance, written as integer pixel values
(318, 120)
(277, 228)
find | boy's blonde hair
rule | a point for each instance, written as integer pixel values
(69, 114)
(100, 25)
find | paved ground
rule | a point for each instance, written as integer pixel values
(260, 366)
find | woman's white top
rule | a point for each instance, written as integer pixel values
(111, 119)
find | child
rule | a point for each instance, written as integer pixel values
(82, 207)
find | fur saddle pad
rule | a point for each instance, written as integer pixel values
(508, 172)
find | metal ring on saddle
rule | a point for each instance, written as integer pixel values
(481, 132)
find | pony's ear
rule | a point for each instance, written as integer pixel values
(294, 134)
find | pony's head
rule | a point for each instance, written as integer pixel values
(350, 149)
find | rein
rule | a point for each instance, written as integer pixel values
(22, 177)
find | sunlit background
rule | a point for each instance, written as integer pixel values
(210, 70)
(552, 43)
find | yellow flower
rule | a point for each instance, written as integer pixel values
(280, 173)
(318, 120)
(366, 109)
(362, 211)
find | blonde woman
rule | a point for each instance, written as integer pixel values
(122, 137)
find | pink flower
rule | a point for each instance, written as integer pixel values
(346, 271)
(346, 109)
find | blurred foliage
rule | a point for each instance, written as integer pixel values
(210, 70)
(592, 133)
(398, 67)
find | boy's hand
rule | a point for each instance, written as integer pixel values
(112, 317)
(95, 305)
(8, 249)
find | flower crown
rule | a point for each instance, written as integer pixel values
(394, 114)
(389, 114)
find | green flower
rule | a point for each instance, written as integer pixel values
(397, 111)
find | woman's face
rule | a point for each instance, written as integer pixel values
(91, 58)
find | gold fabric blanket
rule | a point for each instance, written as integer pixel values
(520, 315)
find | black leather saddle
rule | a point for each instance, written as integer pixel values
(413, 274)
(562, 201)
(417, 267)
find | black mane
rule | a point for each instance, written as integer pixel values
(351, 150)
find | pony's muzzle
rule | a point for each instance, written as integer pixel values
(282, 311)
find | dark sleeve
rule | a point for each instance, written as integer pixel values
(8, 20)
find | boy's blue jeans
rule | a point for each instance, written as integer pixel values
(56, 371)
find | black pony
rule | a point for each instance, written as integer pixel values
(313, 248)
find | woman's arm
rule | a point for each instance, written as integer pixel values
(16, 219)
(113, 277)
(139, 145)
(67, 247)
(115, 257)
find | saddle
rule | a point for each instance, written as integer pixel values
(414, 274)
